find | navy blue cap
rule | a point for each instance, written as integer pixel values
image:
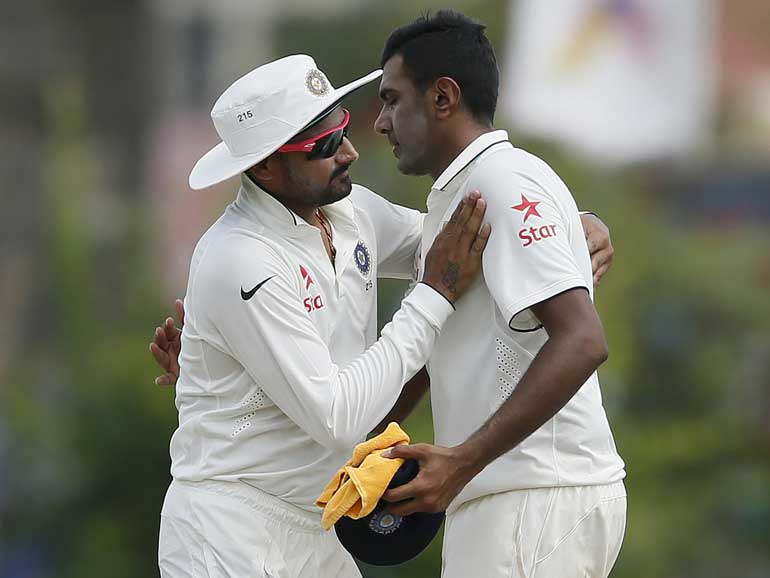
(385, 539)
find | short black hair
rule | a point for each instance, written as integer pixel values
(449, 44)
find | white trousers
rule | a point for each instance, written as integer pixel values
(232, 530)
(569, 532)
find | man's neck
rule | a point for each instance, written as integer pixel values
(457, 142)
(308, 213)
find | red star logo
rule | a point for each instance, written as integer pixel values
(528, 206)
(306, 277)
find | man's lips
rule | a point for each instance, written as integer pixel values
(340, 172)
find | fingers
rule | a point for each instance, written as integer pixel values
(404, 451)
(410, 498)
(602, 258)
(480, 243)
(403, 492)
(599, 273)
(460, 215)
(599, 244)
(592, 241)
(466, 220)
(406, 508)
(165, 380)
(165, 346)
(167, 363)
(471, 229)
(464, 211)
(162, 359)
(161, 339)
(173, 335)
(160, 355)
(179, 307)
(482, 238)
(597, 234)
(597, 261)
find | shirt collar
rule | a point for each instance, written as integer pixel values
(473, 150)
(262, 207)
(258, 204)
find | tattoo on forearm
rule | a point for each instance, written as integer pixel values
(450, 276)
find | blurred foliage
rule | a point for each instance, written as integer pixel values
(84, 436)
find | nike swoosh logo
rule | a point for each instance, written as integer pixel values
(246, 295)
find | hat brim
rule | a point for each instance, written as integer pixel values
(219, 164)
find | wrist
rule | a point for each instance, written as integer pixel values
(438, 289)
(468, 461)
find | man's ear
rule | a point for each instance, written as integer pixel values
(264, 170)
(446, 96)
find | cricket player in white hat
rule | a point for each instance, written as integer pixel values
(282, 373)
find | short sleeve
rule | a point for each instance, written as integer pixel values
(529, 257)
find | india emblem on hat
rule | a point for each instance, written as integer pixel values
(316, 82)
(383, 521)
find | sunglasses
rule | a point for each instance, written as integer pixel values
(321, 146)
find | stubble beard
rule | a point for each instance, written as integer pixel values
(336, 191)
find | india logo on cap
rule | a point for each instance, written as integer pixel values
(316, 82)
(384, 521)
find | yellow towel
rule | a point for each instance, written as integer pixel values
(357, 487)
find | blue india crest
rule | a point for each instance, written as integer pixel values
(383, 521)
(363, 259)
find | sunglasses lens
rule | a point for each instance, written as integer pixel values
(326, 147)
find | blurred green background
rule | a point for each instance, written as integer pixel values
(104, 109)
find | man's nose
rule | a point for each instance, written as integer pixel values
(382, 123)
(347, 153)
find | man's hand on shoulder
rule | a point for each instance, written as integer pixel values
(599, 245)
(454, 260)
(166, 345)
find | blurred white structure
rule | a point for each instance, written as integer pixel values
(620, 81)
(228, 33)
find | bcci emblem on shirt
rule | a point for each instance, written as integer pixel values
(363, 259)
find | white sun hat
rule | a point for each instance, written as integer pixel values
(263, 110)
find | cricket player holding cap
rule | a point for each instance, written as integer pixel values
(282, 373)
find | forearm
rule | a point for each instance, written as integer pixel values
(364, 389)
(558, 371)
(413, 392)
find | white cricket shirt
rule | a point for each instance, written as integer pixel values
(537, 250)
(281, 371)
